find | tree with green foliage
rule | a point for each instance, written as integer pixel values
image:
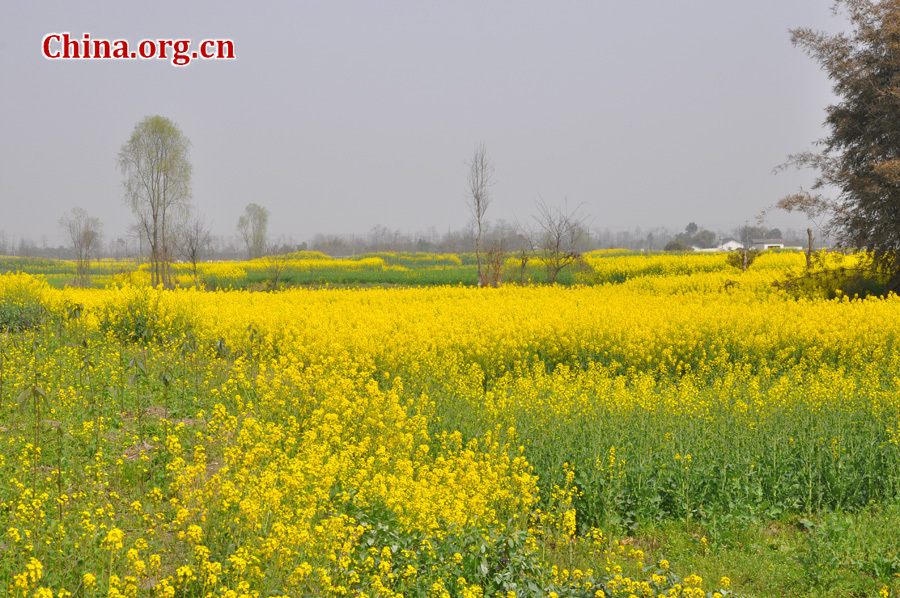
(704, 239)
(860, 157)
(678, 245)
(253, 226)
(156, 171)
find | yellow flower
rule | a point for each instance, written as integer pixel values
(114, 539)
(693, 580)
(34, 570)
(194, 533)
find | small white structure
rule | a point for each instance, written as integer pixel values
(764, 244)
(730, 245)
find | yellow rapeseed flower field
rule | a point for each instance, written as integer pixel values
(426, 441)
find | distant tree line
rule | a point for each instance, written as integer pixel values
(379, 238)
(156, 184)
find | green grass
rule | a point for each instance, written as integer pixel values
(399, 269)
(832, 554)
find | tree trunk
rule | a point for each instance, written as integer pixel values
(809, 250)
(478, 254)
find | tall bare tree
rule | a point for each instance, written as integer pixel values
(85, 234)
(275, 265)
(481, 179)
(194, 241)
(560, 235)
(522, 244)
(156, 171)
(253, 226)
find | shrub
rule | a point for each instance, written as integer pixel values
(678, 245)
(736, 258)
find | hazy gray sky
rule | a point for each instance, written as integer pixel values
(338, 116)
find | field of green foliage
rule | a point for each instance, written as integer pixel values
(309, 268)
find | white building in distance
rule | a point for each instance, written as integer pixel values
(729, 245)
(764, 244)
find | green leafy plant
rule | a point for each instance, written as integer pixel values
(21, 303)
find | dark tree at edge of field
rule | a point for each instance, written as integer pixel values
(860, 157)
